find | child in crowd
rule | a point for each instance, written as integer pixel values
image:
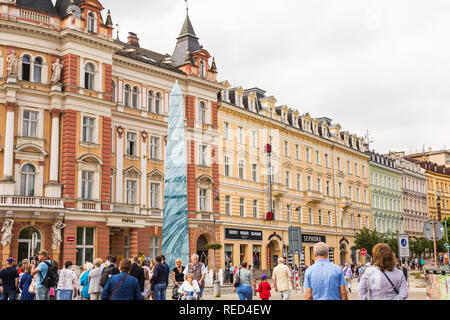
(264, 288)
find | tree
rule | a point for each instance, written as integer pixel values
(366, 239)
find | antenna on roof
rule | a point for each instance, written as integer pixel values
(187, 7)
(368, 139)
(117, 25)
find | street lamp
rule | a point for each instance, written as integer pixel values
(297, 209)
(216, 198)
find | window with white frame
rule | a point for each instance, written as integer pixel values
(255, 209)
(242, 207)
(27, 180)
(318, 158)
(37, 74)
(87, 185)
(319, 185)
(289, 213)
(310, 216)
(202, 158)
(357, 195)
(226, 130)
(286, 149)
(158, 103)
(308, 183)
(91, 22)
(349, 168)
(202, 69)
(300, 216)
(356, 170)
(131, 191)
(240, 135)
(350, 193)
(126, 96)
(288, 179)
(30, 124)
(338, 160)
(85, 245)
(340, 189)
(299, 181)
(134, 98)
(327, 164)
(202, 112)
(150, 101)
(88, 129)
(254, 172)
(154, 148)
(89, 76)
(226, 166)
(131, 144)
(154, 247)
(203, 197)
(26, 68)
(308, 156)
(320, 217)
(297, 152)
(155, 195)
(254, 139)
(227, 205)
(328, 188)
(330, 221)
(241, 169)
(127, 246)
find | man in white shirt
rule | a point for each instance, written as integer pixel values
(281, 277)
(198, 270)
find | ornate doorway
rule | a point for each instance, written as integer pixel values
(30, 240)
(202, 250)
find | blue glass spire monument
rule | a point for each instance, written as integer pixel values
(175, 233)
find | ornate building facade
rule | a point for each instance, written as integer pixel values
(319, 181)
(83, 125)
(414, 194)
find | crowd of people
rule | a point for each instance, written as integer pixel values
(41, 278)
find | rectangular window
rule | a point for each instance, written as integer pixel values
(154, 148)
(308, 183)
(228, 254)
(320, 217)
(226, 130)
(288, 179)
(131, 144)
(155, 196)
(328, 188)
(349, 169)
(127, 246)
(297, 152)
(330, 221)
(87, 185)
(228, 205)
(255, 209)
(227, 166)
(154, 247)
(364, 172)
(356, 170)
(365, 196)
(310, 216)
(289, 213)
(254, 139)
(318, 158)
(241, 135)
(340, 189)
(357, 195)
(241, 169)
(339, 163)
(88, 129)
(202, 157)
(85, 245)
(319, 185)
(350, 193)
(241, 207)
(286, 149)
(131, 191)
(308, 155)
(300, 216)
(203, 200)
(327, 164)
(254, 172)
(299, 181)
(30, 122)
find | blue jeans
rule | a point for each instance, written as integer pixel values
(42, 293)
(201, 292)
(64, 294)
(244, 292)
(160, 291)
(9, 295)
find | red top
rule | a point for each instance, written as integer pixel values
(264, 290)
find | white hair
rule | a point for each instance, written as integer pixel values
(321, 249)
(194, 255)
(280, 260)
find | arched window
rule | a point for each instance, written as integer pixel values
(29, 243)
(26, 68)
(202, 69)
(202, 112)
(27, 180)
(126, 99)
(150, 101)
(91, 22)
(157, 102)
(113, 91)
(89, 74)
(135, 97)
(37, 70)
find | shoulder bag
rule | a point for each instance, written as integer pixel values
(32, 287)
(395, 289)
(118, 285)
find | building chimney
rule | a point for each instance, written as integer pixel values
(133, 39)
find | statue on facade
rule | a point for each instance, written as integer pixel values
(56, 71)
(12, 63)
(56, 236)
(7, 232)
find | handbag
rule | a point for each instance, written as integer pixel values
(237, 281)
(32, 287)
(395, 289)
(175, 293)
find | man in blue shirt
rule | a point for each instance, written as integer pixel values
(122, 286)
(42, 292)
(324, 280)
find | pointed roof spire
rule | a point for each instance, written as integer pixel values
(213, 65)
(188, 29)
(109, 22)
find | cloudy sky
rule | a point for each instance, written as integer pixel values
(374, 65)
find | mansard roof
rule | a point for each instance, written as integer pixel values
(44, 6)
(62, 5)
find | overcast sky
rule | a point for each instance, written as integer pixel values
(374, 65)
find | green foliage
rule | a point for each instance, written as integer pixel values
(366, 239)
(214, 246)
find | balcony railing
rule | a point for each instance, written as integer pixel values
(31, 202)
(87, 205)
(344, 202)
(126, 208)
(313, 196)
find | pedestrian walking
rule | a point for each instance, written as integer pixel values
(25, 282)
(243, 282)
(84, 281)
(148, 268)
(109, 271)
(66, 282)
(9, 281)
(282, 277)
(264, 288)
(348, 274)
(189, 289)
(94, 277)
(122, 286)
(198, 269)
(177, 278)
(324, 280)
(44, 269)
(159, 280)
(383, 281)
(231, 275)
(138, 272)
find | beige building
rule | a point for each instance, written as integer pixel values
(319, 181)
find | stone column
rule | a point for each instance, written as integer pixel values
(134, 240)
(53, 188)
(7, 185)
(119, 165)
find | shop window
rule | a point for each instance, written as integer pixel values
(228, 254)
(256, 257)
(85, 245)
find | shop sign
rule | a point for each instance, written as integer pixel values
(125, 222)
(241, 234)
(310, 238)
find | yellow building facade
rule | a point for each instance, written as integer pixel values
(319, 181)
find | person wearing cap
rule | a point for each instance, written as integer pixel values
(264, 288)
(9, 280)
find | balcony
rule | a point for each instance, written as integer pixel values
(31, 202)
(344, 202)
(313, 196)
(278, 189)
(87, 205)
(126, 208)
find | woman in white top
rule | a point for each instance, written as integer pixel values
(66, 282)
(189, 289)
(383, 281)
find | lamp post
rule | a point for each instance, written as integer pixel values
(216, 283)
(297, 209)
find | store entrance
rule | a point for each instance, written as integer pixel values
(275, 253)
(29, 244)
(202, 250)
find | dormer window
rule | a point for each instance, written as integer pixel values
(91, 22)
(202, 69)
(89, 74)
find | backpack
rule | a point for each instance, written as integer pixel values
(52, 277)
(106, 274)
